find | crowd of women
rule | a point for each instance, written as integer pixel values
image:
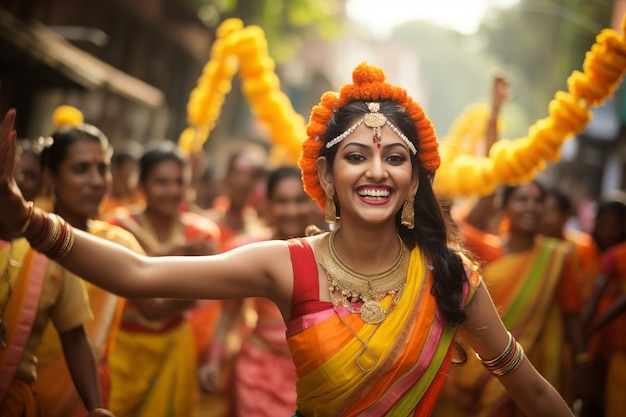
(368, 296)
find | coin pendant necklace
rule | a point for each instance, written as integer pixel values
(362, 293)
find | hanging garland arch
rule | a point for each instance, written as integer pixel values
(244, 49)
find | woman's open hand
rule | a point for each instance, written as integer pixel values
(13, 208)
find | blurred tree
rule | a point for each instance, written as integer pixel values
(285, 23)
(458, 71)
(545, 40)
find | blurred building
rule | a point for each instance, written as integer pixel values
(129, 65)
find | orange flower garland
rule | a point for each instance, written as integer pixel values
(368, 84)
(517, 161)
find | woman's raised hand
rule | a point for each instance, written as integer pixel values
(13, 208)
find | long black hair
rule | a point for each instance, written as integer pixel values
(432, 231)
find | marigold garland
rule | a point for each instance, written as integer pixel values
(517, 161)
(368, 84)
(508, 162)
(244, 49)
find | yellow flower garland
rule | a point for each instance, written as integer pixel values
(461, 173)
(243, 48)
(517, 161)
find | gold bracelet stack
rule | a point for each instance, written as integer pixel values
(56, 237)
(508, 361)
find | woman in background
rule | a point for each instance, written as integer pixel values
(263, 379)
(154, 363)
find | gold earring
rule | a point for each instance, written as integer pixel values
(408, 214)
(330, 213)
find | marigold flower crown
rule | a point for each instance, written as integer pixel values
(368, 84)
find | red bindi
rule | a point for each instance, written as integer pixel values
(376, 139)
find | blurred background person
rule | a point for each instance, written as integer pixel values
(533, 283)
(261, 379)
(234, 213)
(209, 187)
(557, 210)
(28, 168)
(66, 335)
(76, 171)
(154, 362)
(124, 173)
(607, 343)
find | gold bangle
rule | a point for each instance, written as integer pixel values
(513, 364)
(31, 210)
(508, 361)
(492, 363)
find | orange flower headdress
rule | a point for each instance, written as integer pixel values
(368, 84)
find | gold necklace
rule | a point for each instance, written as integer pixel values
(358, 292)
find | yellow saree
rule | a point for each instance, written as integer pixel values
(412, 346)
(154, 362)
(56, 392)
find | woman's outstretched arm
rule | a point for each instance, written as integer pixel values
(261, 269)
(485, 333)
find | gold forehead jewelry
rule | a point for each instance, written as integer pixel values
(358, 292)
(375, 120)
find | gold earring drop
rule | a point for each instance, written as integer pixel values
(330, 213)
(408, 214)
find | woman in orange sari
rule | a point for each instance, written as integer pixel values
(371, 308)
(535, 287)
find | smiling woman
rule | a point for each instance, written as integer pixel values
(369, 333)
(461, 15)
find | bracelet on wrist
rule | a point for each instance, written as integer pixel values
(31, 210)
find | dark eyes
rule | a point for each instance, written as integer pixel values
(83, 168)
(392, 159)
(355, 157)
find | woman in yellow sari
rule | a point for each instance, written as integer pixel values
(371, 308)
(76, 166)
(76, 170)
(154, 362)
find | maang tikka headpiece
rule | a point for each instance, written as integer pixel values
(375, 120)
(369, 85)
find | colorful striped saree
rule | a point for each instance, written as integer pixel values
(413, 346)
